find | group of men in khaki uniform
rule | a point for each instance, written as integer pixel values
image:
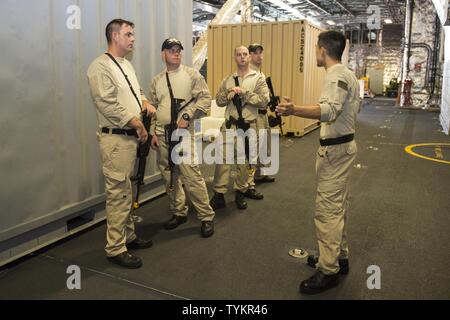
(114, 87)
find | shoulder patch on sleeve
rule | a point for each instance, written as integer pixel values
(341, 84)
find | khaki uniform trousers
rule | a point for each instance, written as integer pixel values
(188, 175)
(262, 123)
(333, 166)
(222, 171)
(118, 154)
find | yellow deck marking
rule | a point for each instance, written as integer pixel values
(438, 152)
(437, 145)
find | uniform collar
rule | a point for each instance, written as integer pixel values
(176, 70)
(251, 73)
(330, 69)
(255, 68)
(118, 59)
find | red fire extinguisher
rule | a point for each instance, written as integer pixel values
(406, 94)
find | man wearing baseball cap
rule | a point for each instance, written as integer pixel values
(170, 43)
(256, 59)
(256, 56)
(181, 82)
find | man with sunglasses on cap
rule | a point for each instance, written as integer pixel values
(256, 59)
(181, 82)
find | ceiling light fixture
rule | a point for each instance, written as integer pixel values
(282, 5)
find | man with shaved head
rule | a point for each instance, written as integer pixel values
(250, 86)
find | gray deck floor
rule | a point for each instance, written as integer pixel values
(399, 221)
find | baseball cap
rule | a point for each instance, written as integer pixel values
(255, 46)
(171, 42)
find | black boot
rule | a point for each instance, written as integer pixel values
(253, 194)
(264, 179)
(344, 267)
(240, 202)
(139, 243)
(126, 260)
(207, 229)
(319, 282)
(175, 221)
(217, 201)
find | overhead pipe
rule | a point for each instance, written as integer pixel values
(344, 7)
(436, 46)
(318, 6)
(429, 62)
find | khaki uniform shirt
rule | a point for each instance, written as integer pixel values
(114, 101)
(255, 96)
(339, 102)
(187, 83)
(255, 68)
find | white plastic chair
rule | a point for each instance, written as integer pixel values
(214, 121)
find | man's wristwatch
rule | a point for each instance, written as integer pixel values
(186, 117)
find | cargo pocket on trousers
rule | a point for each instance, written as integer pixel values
(116, 187)
(113, 175)
(114, 165)
(340, 154)
(330, 197)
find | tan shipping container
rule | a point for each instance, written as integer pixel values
(289, 59)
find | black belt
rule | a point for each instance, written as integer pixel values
(127, 132)
(263, 112)
(339, 140)
(234, 122)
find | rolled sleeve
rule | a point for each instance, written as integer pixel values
(153, 98)
(200, 93)
(260, 97)
(326, 112)
(152, 128)
(222, 93)
(104, 92)
(143, 97)
(332, 104)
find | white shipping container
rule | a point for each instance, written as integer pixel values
(50, 160)
(445, 103)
